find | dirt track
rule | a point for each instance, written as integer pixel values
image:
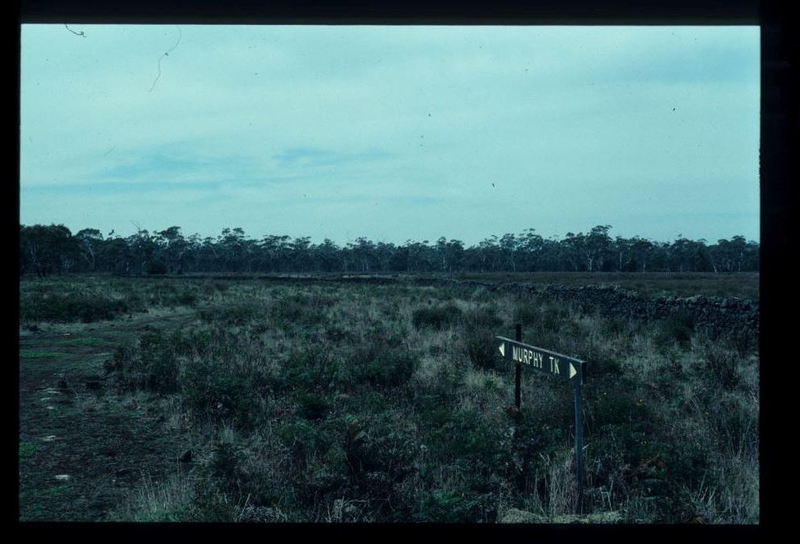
(83, 446)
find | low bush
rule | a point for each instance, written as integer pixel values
(148, 364)
(70, 307)
(480, 327)
(387, 369)
(220, 392)
(437, 317)
(678, 328)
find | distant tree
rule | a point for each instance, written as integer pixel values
(364, 253)
(231, 243)
(730, 255)
(275, 249)
(384, 251)
(531, 246)
(142, 248)
(328, 256)
(300, 254)
(173, 249)
(508, 250)
(47, 249)
(596, 247)
(623, 248)
(574, 249)
(642, 250)
(90, 244)
(115, 256)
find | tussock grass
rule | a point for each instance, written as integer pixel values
(380, 403)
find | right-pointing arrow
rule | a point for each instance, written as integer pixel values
(572, 371)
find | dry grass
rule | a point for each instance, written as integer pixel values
(648, 397)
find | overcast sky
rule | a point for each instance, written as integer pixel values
(393, 133)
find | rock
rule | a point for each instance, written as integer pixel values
(186, 457)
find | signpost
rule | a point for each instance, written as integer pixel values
(559, 366)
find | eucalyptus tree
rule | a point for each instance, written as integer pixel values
(530, 246)
(144, 250)
(328, 256)
(384, 251)
(730, 255)
(623, 248)
(690, 256)
(90, 244)
(300, 254)
(364, 254)
(276, 250)
(115, 256)
(597, 246)
(47, 249)
(233, 249)
(508, 251)
(642, 250)
(573, 247)
(173, 249)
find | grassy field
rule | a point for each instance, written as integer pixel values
(246, 400)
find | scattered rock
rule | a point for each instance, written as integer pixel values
(63, 477)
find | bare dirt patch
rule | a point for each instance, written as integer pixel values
(82, 445)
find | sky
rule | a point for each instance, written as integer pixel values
(393, 133)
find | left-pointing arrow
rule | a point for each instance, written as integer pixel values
(502, 349)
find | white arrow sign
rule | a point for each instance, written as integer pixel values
(561, 366)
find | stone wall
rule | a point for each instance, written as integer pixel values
(714, 314)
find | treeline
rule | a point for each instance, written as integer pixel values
(54, 249)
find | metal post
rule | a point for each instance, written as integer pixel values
(518, 371)
(579, 443)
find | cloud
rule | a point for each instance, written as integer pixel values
(315, 156)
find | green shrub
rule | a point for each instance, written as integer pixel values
(438, 317)
(480, 327)
(387, 368)
(70, 307)
(220, 392)
(159, 361)
(304, 439)
(448, 507)
(299, 310)
(377, 445)
(310, 369)
(312, 406)
(238, 315)
(721, 366)
(677, 328)
(150, 364)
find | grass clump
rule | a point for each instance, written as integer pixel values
(70, 307)
(437, 317)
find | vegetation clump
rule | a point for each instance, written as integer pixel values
(323, 402)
